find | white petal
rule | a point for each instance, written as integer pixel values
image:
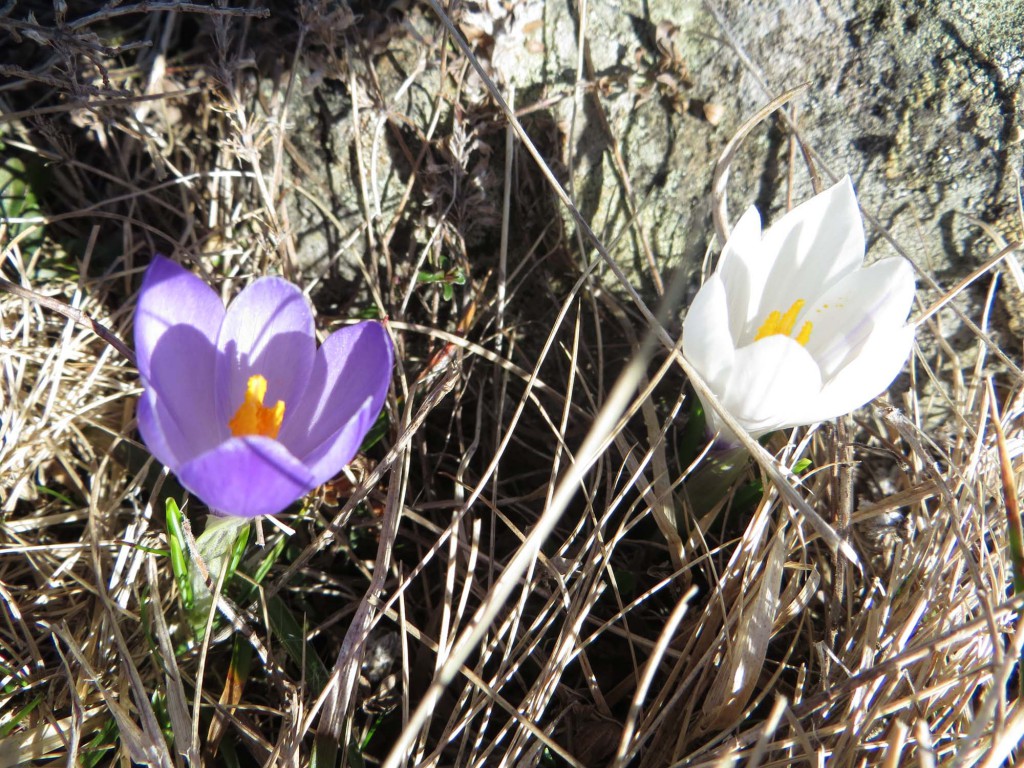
(770, 385)
(879, 361)
(872, 300)
(813, 247)
(744, 268)
(707, 343)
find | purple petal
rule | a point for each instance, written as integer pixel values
(268, 330)
(155, 432)
(180, 420)
(171, 296)
(246, 477)
(346, 392)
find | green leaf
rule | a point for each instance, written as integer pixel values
(355, 757)
(228, 755)
(268, 562)
(747, 497)
(59, 496)
(92, 754)
(159, 701)
(369, 737)
(429, 277)
(14, 684)
(237, 552)
(377, 431)
(241, 658)
(626, 582)
(216, 547)
(292, 636)
(715, 477)
(250, 590)
(17, 200)
(693, 438)
(179, 563)
(801, 466)
(370, 312)
(448, 278)
(7, 728)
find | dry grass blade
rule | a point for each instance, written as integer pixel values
(744, 658)
(71, 313)
(336, 707)
(145, 745)
(177, 700)
(626, 748)
(1011, 499)
(720, 182)
(526, 555)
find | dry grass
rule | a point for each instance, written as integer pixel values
(519, 573)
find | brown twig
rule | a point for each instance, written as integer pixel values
(77, 316)
(171, 5)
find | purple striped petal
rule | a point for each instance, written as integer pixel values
(246, 477)
(346, 392)
(170, 297)
(268, 330)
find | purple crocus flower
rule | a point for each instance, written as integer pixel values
(240, 403)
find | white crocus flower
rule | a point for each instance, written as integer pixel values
(791, 328)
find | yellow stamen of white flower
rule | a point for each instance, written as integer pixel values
(779, 323)
(252, 417)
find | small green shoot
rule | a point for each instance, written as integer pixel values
(448, 278)
(55, 494)
(269, 560)
(17, 200)
(377, 431)
(16, 682)
(237, 551)
(292, 636)
(219, 548)
(370, 312)
(179, 563)
(93, 753)
(8, 728)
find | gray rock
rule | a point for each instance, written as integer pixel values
(918, 101)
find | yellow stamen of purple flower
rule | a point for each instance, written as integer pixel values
(252, 417)
(779, 323)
